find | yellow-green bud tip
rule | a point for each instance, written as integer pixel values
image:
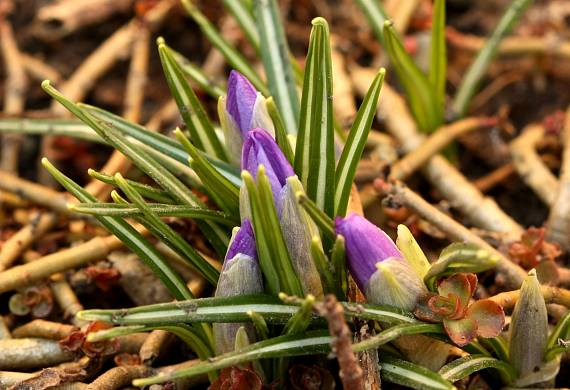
(160, 41)
(319, 21)
(46, 84)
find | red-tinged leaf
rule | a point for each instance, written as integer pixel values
(234, 378)
(73, 342)
(461, 285)
(424, 312)
(489, 317)
(127, 359)
(446, 306)
(103, 277)
(461, 332)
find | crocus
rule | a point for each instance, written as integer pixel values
(377, 266)
(240, 275)
(297, 227)
(243, 109)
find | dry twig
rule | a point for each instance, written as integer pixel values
(43, 329)
(22, 354)
(152, 346)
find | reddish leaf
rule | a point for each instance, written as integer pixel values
(103, 277)
(423, 310)
(446, 306)
(489, 317)
(462, 286)
(73, 342)
(461, 332)
(234, 378)
(127, 359)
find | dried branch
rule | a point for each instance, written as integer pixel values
(43, 329)
(39, 69)
(530, 166)
(344, 104)
(8, 199)
(36, 193)
(66, 298)
(482, 211)
(119, 377)
(555, 295)
(558, 225)
(23, 354)
(400, 195)
(493, 178)
(442, 137)
(351, 373)
(153, 345)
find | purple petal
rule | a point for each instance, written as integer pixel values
(366, 244)
(241, 100)
(260, 148)
(243, 242)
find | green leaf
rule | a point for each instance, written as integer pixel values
(498, 345)
(195, 117)
(260, 325)
(478, 68)
(160, 209)
(459, 257)
(438, 53)
(467, 365)
(129, 236)
(244, 17)
(145, 190)
(420, 93)
(230, 53)
(166, 234)
(280, 133)
(323, 266)
(224, 192)
(338, 259)
(234, 309)
(273, 254)
(66, 127)
(301, 320)
(145, 163)
(195, 73)
(323, 221)
(396, 331)
(354, 146)
(275, 57)
(560, 332)
(314, 151)
(375, 15)
(309, 343)
(411, 375)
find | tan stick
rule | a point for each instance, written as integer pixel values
(64, 17)
(401, 12)
(26, 274)
(442, 137)
(481, 211)
(39, 69)
(490, 180)
(43, 329)
(66, 298)
(8, 199)
(15, 94)
(402, 195)
(23, 238)
(530, 166)
(119, 377)
(134, 97)
(36, 193)
(555, 295)
(344, 104)
(152, 346)
(22, 354)
(558, 225)
(4, 330)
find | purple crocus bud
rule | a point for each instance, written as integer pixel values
(260, 148)
(243, 109)
(378, 267)
(240, 275)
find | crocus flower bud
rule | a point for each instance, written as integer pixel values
(529, 328)
(240, 275)
(260, 148)
(378, 267)
(243, 109)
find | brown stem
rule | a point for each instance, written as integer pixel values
(344, 105)
(21, 354)
(489, 181)
(482, 211)
(558, 225)
(153, 345)
(351, 373)
(119, 377)
(15, 94)
(530, 166)
(412, 161)
(39, 69)
(8, 199)
(560, 296)
(399, 194)
(4, 331)
(43, 329)
(66, 298)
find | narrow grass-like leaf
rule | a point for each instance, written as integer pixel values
(323, 221)
(438, 52)
(243, 15)
(147, 164)
(560, 332)
(338, 260)
(354, 146)
(479, 66)
(323, 266)
(230, 53)
(160, 142)
(269, 237)
(376, 16)
(195, 73)
(234, 309)
(66, 127)
(224, 192)
(275, 57)
(467, 365)
(314, 152)
(310, 343)
(498, 345)
(420, 93)
(145, 190)
(201, 129)
(301, 320)
(260, 325)
(168, 235)
(411, 375)
(280, 132)
(396, 331)
(160, 209)
(129, 236)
